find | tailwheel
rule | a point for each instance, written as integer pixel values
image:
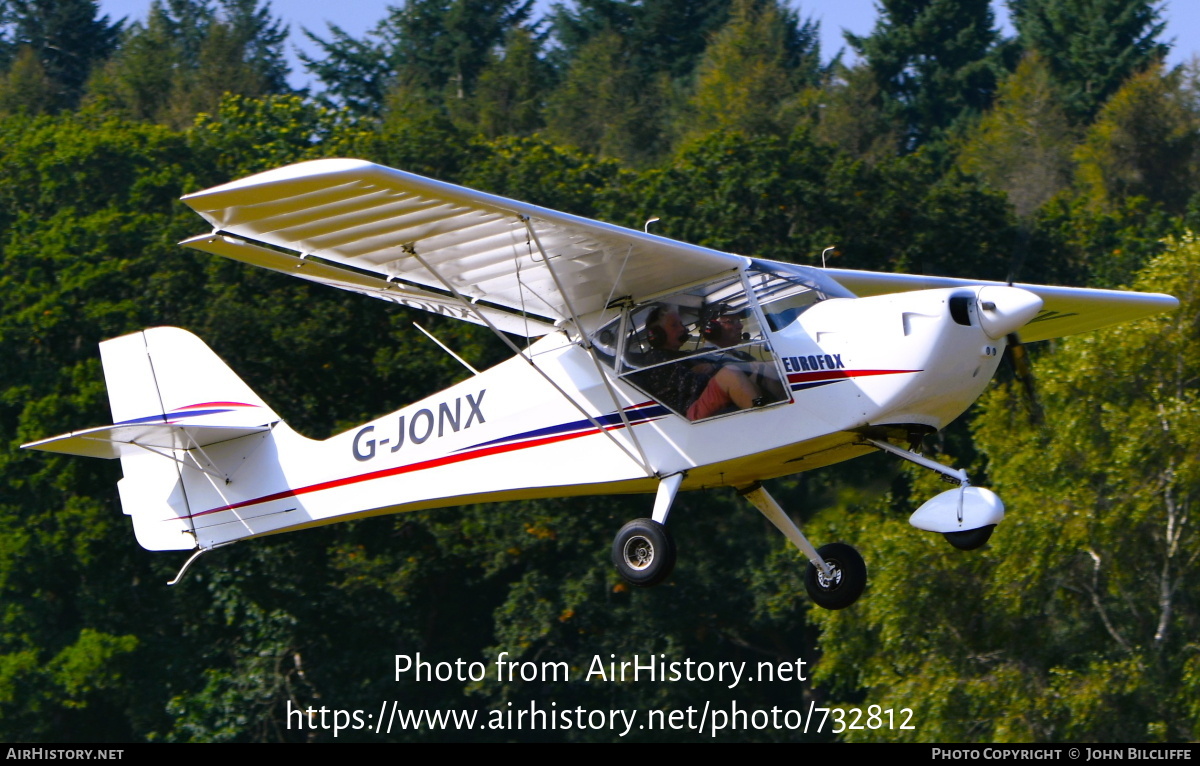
(643, 553)
(846, 580)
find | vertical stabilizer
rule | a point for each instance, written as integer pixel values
(168, 379)
(168, 375)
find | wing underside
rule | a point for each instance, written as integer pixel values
(1065, 310)
(417, 241)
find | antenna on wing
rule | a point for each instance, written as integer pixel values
(646, 228)
(826, 252)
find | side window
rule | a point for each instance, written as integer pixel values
(701, 353)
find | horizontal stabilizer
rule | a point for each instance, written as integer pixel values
(114, 441)
(171, 398)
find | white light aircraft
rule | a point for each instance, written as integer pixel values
(645, 365)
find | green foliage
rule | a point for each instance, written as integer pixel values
(932, 59)
(435, 48)
(248, 136)
(790, 199)
(662, 36)
(1074, 242)
(512, 88)
(1023, 145)
(744, 80)
(605, 107)
(1091, 46)
(1145, 143)
(853, 116)
(68, 37)
(188, 55)
(26, 88)
(540, 172)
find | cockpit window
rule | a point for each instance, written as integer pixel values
(785, 291)
(700, 352)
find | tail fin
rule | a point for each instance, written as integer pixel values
(170, 396)
(168, 375)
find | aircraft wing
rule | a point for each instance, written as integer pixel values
(398, 236)
(1065, 310)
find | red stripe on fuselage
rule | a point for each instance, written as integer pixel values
(807, 377)
(402, 469)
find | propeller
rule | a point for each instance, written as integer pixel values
(1018, 356)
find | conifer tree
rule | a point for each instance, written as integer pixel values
(188, 54)
(1023, 145)
(1145, 143)
(932, 59)
(439, 47)
(752, 67)
(1091, 46)
(512, 87)
(663, 36)
(68, 38)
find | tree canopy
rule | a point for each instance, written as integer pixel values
(944, 151)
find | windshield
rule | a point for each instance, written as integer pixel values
(700, 352)
(785, 290)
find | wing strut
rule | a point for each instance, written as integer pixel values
(172, 458)
(587, 346)
(471, 307)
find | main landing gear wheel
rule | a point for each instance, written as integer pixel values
(847, 580)
(971, 538)
(643, 553)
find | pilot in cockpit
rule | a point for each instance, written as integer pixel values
(699, 386)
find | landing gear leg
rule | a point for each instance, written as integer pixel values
(643, 551)
(836, 574)
(966, 517)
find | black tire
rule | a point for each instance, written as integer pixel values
(643, 553)
(848, 581)
(971, 538)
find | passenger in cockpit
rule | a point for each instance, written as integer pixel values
(699, 387)
(724, 331)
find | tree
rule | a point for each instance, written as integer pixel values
(1144, 143)
(434, 47)
(932, 60)
(853, 116)
(512, 87)
(752, 67)
(1023, 145)
(1091, 46)
(663, 36)
(625, 69)
(190, 53)
(25, 88)
(603, 107)
(68, 38)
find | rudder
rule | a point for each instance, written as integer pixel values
(167, 375)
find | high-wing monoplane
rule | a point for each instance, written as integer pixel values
(641, 365)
